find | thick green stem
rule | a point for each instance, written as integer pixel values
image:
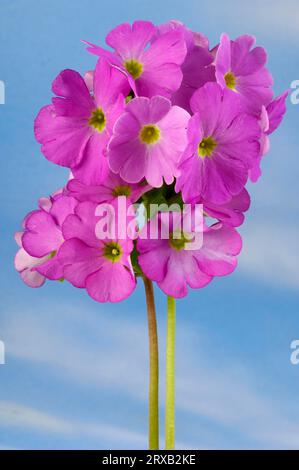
(170, 377)
(153, 365)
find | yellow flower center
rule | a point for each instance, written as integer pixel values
(122, 191)
(150, 134)
(178, 240)
(207, 147)
(230, 80)
(134, 68)
(112, 251)
(98, 120)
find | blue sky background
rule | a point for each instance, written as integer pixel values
(76, 371)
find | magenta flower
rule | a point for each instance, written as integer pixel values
(270, 119)
(148, 141)
(276, 111)
(223, 145)
(75, 129)
(113, 187)
(102, 266)
(191, 37)
(197, 67)
(151, 63)
(231, 213)
(40, 241)
(26, 265)
(242, 69)
(174, 267)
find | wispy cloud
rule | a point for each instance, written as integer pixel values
(271, 253)
(228, 396)
(112, 343)
(24, 417)
(273, 18)
(14, 414)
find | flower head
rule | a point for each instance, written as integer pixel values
(242, 69)
(148, 141)
(75, 129)
(162, 120)
(223, 145)
(151, 63)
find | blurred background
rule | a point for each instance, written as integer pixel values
(76, 371)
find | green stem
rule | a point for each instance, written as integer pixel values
(170, 377)
(153, 365)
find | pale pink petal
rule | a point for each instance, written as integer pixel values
(32, 278)
(25, 264)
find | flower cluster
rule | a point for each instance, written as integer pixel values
(162, 119)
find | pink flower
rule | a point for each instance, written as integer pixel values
(174, 267)
(40, 241)
(151, 63)
(75, 129)
(271, 117)
(113, 187)
(231, 213)
(197, 67)
(102, 266)
(223, 146)
(242, 69)
(191, 37)
(26, 265)
(148, 141)
(276, 111)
